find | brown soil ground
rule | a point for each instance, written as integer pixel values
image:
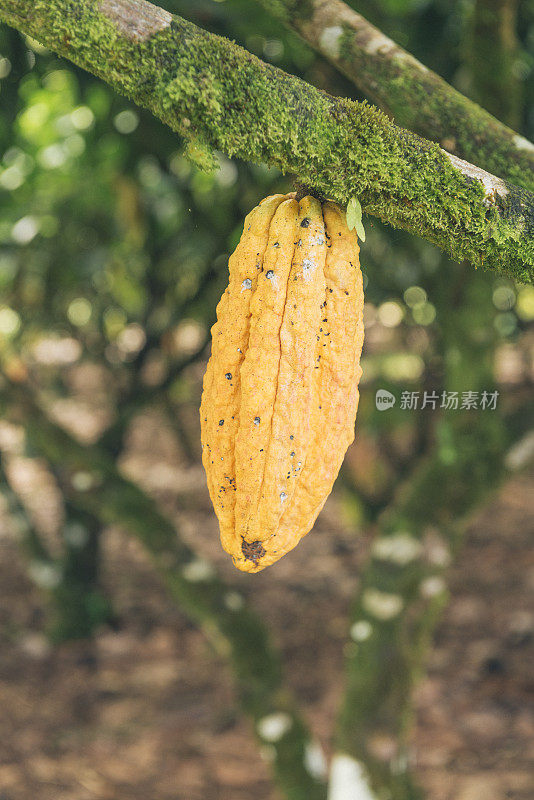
(148, 712)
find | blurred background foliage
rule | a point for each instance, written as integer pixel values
(113, 254)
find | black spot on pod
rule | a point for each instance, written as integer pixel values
(269, 274)
(305, 222)
(257, 420)
(221, 422)
(228, 376)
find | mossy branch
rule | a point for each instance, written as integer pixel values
(415, 96)
(212, 91)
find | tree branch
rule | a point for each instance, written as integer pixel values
(404, 88)
(207, 88)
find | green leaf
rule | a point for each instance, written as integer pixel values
(354, 217)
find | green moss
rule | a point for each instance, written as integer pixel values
(429, 106)
(201, 156)
(210, 90)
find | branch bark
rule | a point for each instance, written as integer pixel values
(401, 86)
(208, 89)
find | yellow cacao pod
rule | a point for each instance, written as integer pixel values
(281, 387)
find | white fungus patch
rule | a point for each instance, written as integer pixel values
(348, 780)
(330, 41)
(361, 630)
(197, 570)
(401, 548)
(273, 279)
(247, 284)
(272, 727)
(308, 267)
(283, 496)
(382, 605)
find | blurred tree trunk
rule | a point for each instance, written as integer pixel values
(400, 596)
(232, 627)
(71, 582)
(492, 55)
(80, 604)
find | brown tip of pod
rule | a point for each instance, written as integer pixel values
(253, 551)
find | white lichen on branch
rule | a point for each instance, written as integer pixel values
(136, 20)
(493, 187)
